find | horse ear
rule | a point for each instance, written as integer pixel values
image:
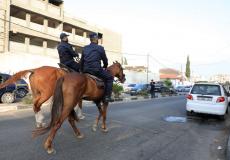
(113, 63)
(116, 61)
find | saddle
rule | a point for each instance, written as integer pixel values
(99, 82)
(65, 68)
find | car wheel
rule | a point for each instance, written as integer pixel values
(188, 113)
(222, 117)
(8, 97)
(21, 93)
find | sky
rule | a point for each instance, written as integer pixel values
(167, 30)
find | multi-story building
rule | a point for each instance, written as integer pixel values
(221, 78)
(30, 29)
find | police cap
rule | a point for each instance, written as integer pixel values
(62, 35)
(93, 35)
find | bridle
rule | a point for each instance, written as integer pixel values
(122, 78)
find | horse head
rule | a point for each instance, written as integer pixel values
(117, 71)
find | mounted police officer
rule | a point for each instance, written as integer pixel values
(92, 56)
(67, 54)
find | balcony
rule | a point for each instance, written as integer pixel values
(38, 4)
(53, 31)
(36, 49)
(17, 47)
(36, 27)
(38, 30)
(39, 7)
(18, 21)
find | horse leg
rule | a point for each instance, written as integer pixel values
(53, 130)
(39, 117)
(79, 110)
(72, 117)
(104, 113)
(94, 127)
(37, 110)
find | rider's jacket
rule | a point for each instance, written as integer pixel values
(66, 52)
(92, 56)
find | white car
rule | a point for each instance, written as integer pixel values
(208, 98)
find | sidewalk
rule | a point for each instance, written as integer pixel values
(20, 105)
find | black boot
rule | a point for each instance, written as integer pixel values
(108, 99)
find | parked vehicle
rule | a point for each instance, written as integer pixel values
(179, 88)
(128, 87)
(9, 93)
(139, 88)
(187, 89)
(209, 98)
(159, 86)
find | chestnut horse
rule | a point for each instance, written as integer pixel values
(69, 90)
(42, 82)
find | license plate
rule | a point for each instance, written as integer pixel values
(204, 99)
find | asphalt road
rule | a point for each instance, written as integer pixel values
(137, 131)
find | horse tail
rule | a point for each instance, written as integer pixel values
(56, 110)
(14, 78)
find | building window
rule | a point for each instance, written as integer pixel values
(51, 44)
(36, 41)
(36, 18)
(15, 37)
(17, 12)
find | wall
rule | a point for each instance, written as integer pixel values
(14, 62)
(140, 77)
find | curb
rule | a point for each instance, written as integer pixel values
(228, 149)
(21, 106)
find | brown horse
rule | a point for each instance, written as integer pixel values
(42, 82)
(69, 90)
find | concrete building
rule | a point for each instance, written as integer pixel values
(175, 76)
(138, 74)
(221, 78)
(30, 29)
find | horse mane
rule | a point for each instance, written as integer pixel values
(114, 63)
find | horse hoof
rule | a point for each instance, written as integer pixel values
(43, 124)
(81, 136)
(40, 125)
(94, 128)
(105, 130)
(81, 117)
(51, 151)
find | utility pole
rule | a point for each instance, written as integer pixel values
(182, 75)
(147, 68)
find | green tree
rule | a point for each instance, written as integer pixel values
(117, 89)
(187, 72)
(168, 83)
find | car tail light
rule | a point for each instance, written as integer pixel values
(189, 96)
(220, 99)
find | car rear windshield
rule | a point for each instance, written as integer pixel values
(205, 89)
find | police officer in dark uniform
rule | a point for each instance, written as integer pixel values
(152, 89)
(92, 56)
(67, 54)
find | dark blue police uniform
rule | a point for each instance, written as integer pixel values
(67, 54)
(152, 89)
(92, 56)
